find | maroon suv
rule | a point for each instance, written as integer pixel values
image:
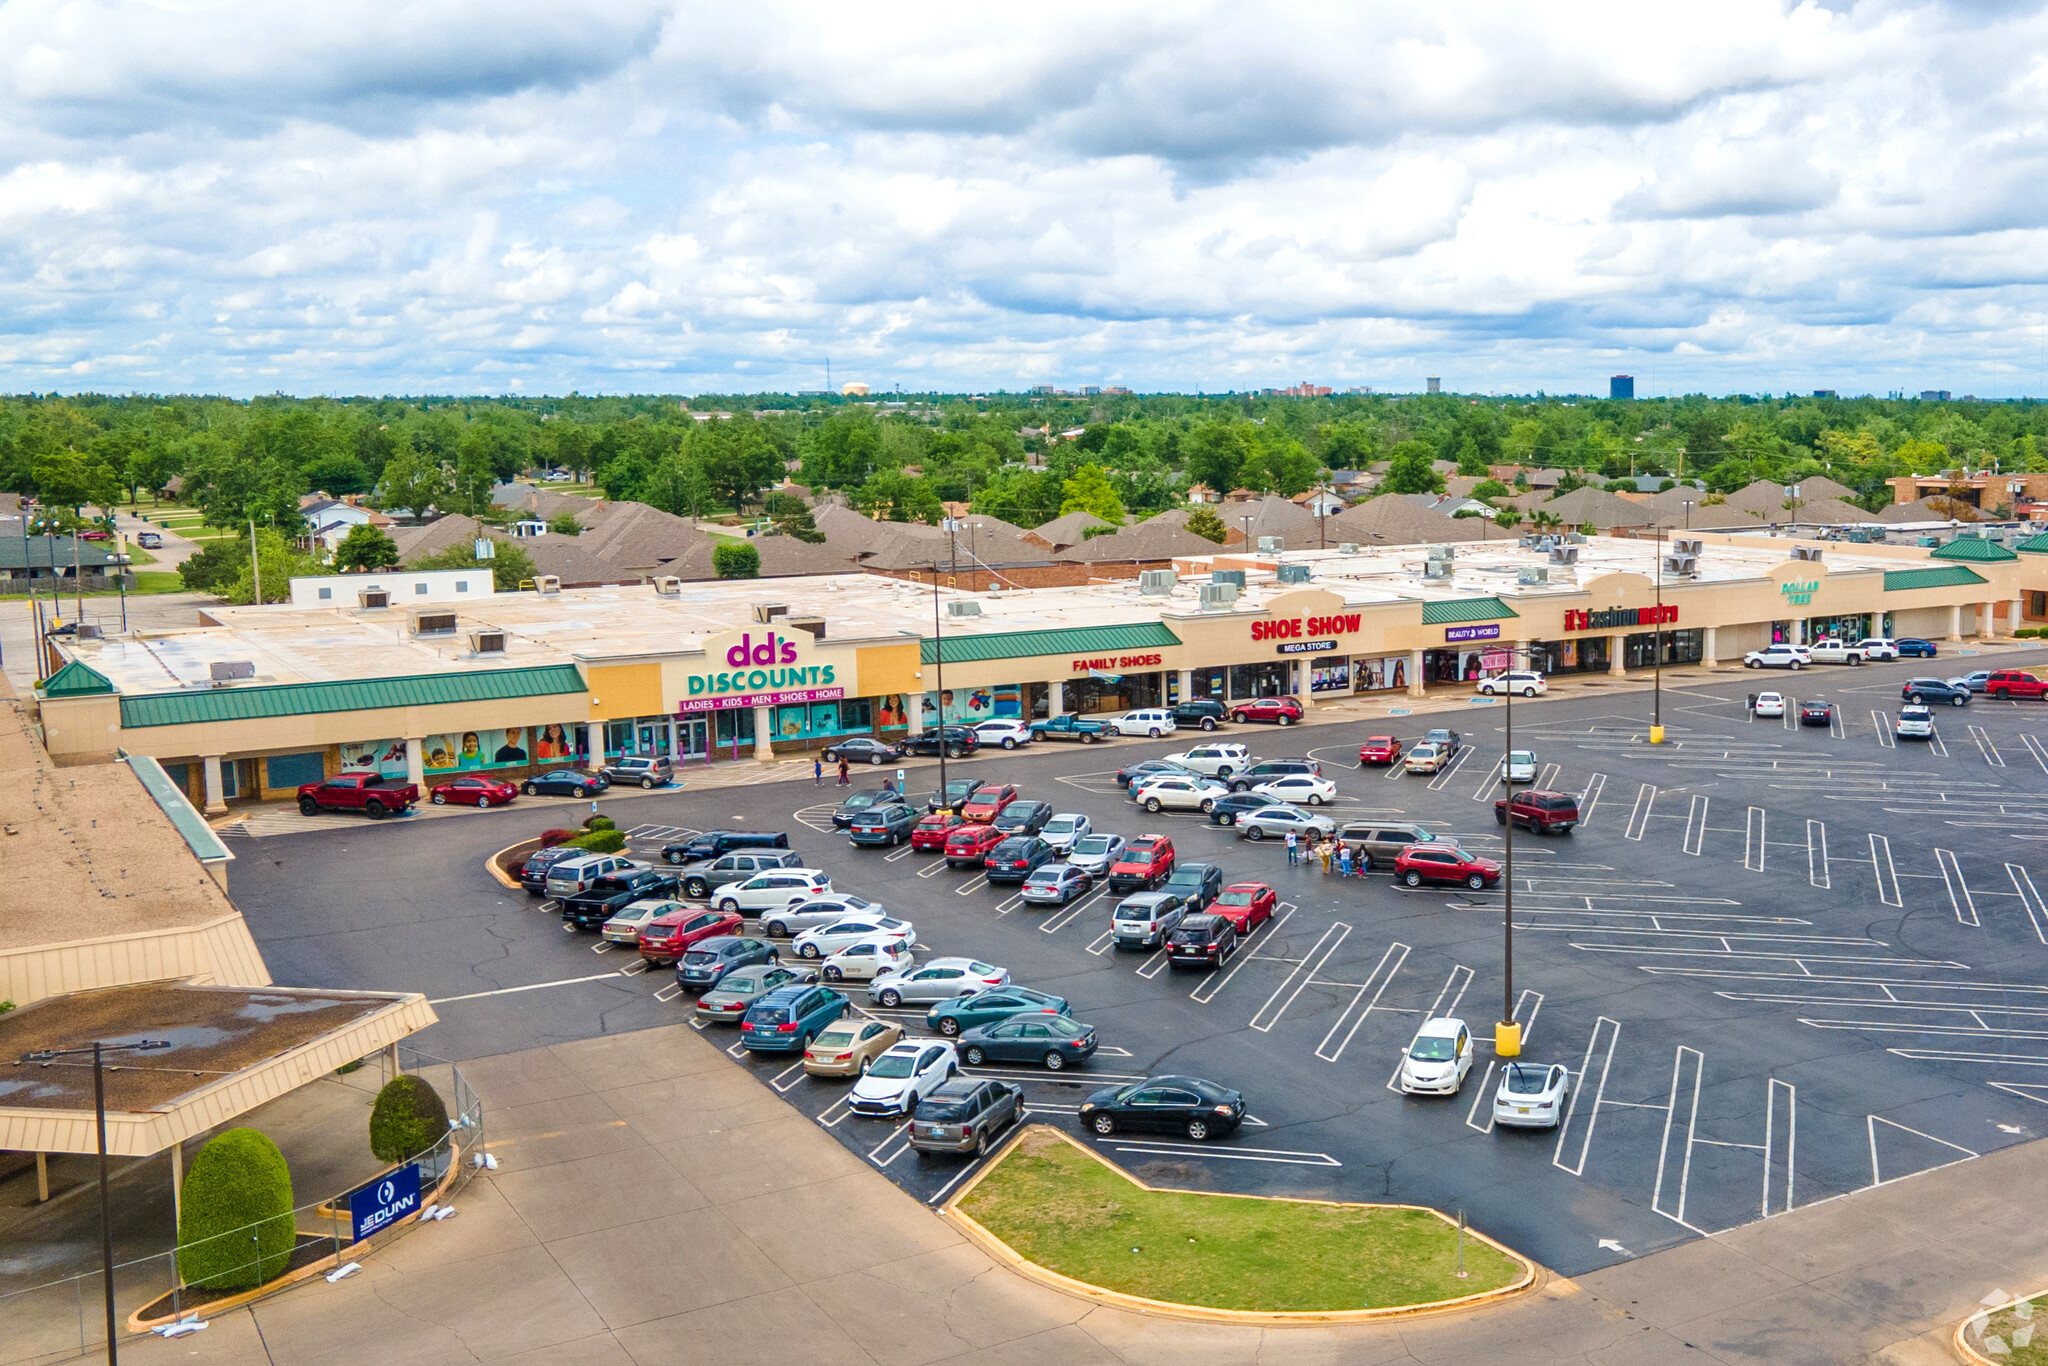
(1283, 711)
(1543, 812)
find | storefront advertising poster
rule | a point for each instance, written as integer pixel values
(1332, 677)
(1379, 675)
(470, 750)
(966, 706)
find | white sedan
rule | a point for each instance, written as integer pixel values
(625, 926)
(1008, 732)
(1177, 792)
(829, 939)
(1065, 830)
(1305, 788)
(1425, 758)
(868, 959)
(1152, 721)
(1770, 704)
(1531, 1095)
(939, 980)
(1521, 682)
(1519, 766)
(1218, 760)
(895, 1082)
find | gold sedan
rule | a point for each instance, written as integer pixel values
(845, 1049)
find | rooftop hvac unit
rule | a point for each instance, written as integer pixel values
(1681, 566)
(765, 612)
(1687, 545)
(814, 625)
(1858, 536)
(1532, 542)
(428, 622)
(547, 584)
(668, 586)
(1564, 554)
(1436, 569)
(1441, 552)
(374, 597)
(1574, 538)
(1156, 582)
(1234, 577)
(1293, 573)
(963, 609)
(87, 631)
(1876, 533)
(226, 671)
(1218, 595)
(1532, 575)
(1269, 545)
(487, 642)
(1927, 542)
(1347, 547)
(1806, 552)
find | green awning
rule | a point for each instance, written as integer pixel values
(368, 694)
(1939, 576)
(1971, 548)
(77, 679)
(1465, 609)
(1073, 640)
(2034, 545)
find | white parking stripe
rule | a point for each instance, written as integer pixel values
(1670, 1108)
(1460, 978)
(1695, 824)
(1167, 1148)
(1059, 920)
(1152, 966)
(1877, 1178)
(1986, 748)
(1817, 854)
(1639, 815)
(1887, 875)
(972, 885)
(1207, 991)
(1883, 722)
(1480, 1099)
(1952, 878)
(1383, 973)
(899, 855)
(1578, 1166)
(2037, 913)
(2034, 748)
(1776, 1114)
(1590, 798)
(1438, 783)
(1753, 840)
(1303, 973)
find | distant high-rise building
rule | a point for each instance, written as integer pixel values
(1823, 393)
(1436, 384)
(1934, 395)
(1621, 386)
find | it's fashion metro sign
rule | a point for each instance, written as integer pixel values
(1613, 618)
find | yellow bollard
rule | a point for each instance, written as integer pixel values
(1656, 735)
(1507, 1040)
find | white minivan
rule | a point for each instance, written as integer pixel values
(1152, 721)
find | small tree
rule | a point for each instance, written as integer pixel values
(1089, 491)
(736, 560)
(1411, 469)
(235, 1217)
(408, 1118)
(1204, 522)
(510, 566)
(279, 560)
(366, 547)
(565, 524)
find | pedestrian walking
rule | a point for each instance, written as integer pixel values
(1324, 849)
(845, 772)
(1293, 855)
(817, 772)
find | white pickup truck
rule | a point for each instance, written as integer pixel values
(1832, 651)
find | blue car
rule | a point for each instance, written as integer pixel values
(565, 782)
(1912, 647)
(788, 1018)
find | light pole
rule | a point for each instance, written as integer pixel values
(98, 1050)
(1657, 667)
(939, 662)
(1507, 1035)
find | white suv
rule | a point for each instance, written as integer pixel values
(1779, 656)
(773, 891)
(1151, 721)
(1522, 682)
(1879, 648)
(1179, 792)
(1008, 732)
(1218, 760)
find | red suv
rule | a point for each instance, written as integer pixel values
(933, 831)
(987, 801)
(1542, 812)
(1146, 861)
(968, 845)
(1420, 863)
(2014, 683)
(1282, 710)
(668, 937)
(1246, 905)
(1379, 749)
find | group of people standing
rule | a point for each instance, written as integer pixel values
(1333, 853)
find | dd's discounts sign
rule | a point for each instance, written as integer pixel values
(762, 669)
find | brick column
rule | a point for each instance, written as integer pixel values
(764, 730)
(1615, 654)
(1707, 647)
(1415, 673)
(215, 806)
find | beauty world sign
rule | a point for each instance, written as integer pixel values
(766, 668)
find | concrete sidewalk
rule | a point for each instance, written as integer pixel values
(655, 1204)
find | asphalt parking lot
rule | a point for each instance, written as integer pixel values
(1782, 963)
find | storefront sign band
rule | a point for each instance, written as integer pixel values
(1457, 633)
(1304, 647)
(1607, 618)
(758, 699)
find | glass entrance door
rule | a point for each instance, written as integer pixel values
(694, 735)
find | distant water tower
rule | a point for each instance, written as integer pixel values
(1436, 384)
(1621, 386)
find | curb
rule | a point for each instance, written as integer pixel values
(1533, 1276)
(505, 879)
(1960, 1338)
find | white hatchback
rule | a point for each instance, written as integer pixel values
(829, 939)
(1065, 830)
(1300, 788)
(1437, 1060)
(1522, 683)
(1151, 721)
(1218, 760)
(1008, 732)
(1178, 792)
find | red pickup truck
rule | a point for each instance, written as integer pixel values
(369, 793)
(2015, 683)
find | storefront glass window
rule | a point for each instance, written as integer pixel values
(1269, 679)
(1378, 675)
(1587, 655)
(1211, 683)
(1333, 676)
(1680, 647)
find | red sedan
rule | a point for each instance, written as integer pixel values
(1420, 863)
(1379, 749)
(933, 831)
(666, 938)
(1246, 905)
(968, 845)
(988, 800)
(474, 791)
(1283, 711)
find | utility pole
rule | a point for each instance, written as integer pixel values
(255, 562)
(77, 577)
(1507, 1035)
(1657, 670)
(939, 662)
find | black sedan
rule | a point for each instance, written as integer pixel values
(862, 749)
(954, 795)
(705, 963)
(863, 800)
(565, 782)
(960, 741)
(1816, 712)
(1932, 690)
(1023, 818)
(1228, 809)
(1164, 1105)
(1054, 1040)
(1016, 858)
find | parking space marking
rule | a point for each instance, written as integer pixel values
(1154, 965)
(972, 885)
(1817, 854)
(1753, 840)
(1695, 824)
(818, 818)
(634, 968)
(1169, 1148)
(937, 866)
(1103, 942)
(1887, 875)
(1480, 1099)
(1454, 988)
(1934, 740)
(1692, 1116)
(1952, 878)
(1639, 815)
(839, 1109)
(1590, 798)
(1304, 971)
(1010, 903)
(669, 992)
(897, 856)
(1882, 720)
(1612, 1029)
(602, 946)
(2034, 748)
(1059, 920)
(538, 986)
(1775, 1115)
(1206, 992)
(1488, 785)
(895, 1145)
(2030, 897)
(1548, 779)
(788, 1077)
(1986, 748)
(1442, 779)
(1382, 973)
(1877, 1179)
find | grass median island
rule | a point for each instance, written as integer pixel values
(1057, 1206)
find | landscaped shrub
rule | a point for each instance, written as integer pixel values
(550, 838)
(599, 842)
(408, 1119)
(595, 822)
(235, 1218)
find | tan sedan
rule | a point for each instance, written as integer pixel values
(846, 1048)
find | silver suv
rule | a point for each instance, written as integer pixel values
(707, 878)
(647, 770)
(1377, 843)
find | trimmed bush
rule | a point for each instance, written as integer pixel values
(599, 823)
(550, 838)
(408, 1119)
(599, 842)
(235, 1218)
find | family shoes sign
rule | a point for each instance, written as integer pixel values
(1106, 663)
(769, 672)
(1607, 618)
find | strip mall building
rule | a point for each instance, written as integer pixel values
(252, 701)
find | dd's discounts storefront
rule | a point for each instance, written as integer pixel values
(781, 686)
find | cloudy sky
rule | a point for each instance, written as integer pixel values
(480, 197)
